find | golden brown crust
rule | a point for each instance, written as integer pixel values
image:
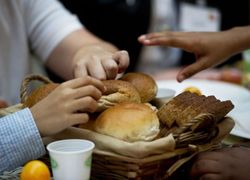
(145, 85)
(117, 92)
(90, 124)
(129, 122)
(39, 93)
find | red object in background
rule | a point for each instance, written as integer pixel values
(231, 75)
(3, 104)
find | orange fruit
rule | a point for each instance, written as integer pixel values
(193, 89)
(35, 170)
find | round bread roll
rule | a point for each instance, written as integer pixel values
(39, 93)
(145, 85)
(117, 91)
(129, 122)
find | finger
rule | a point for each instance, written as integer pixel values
(84, 81)
(95, 69)
(78, 118)
(80, 71)
(201, 167)
(144, 37)
(211, 176)
(111, 68)
(122, 59)
(173, 39)
(176, 42)
(192, 69)
(88, 90)
(85, 104)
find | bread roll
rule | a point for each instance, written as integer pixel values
(145, 85)
(39, 93)
(117, 91)
(129, 122)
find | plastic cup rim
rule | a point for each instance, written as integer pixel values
(92, 145)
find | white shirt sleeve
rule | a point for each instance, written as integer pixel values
(20, 140)
(48, 23)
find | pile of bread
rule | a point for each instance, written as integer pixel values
(125, 111)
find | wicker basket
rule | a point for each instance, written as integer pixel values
(24, 92)
(112, 165)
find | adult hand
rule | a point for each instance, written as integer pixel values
(99, 63)
(210, 48)
(228, 163)
(81, 53)
(67, 105)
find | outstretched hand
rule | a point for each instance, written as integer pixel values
(210, 48)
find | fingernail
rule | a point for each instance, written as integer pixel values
(142, 37)
(181, 78)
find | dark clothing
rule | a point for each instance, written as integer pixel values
(121, 23)
(115, 21)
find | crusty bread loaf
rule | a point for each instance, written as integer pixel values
(117, 91)
(145, 85)
(129, 122)
(39, 93)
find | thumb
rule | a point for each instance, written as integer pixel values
(192, 69)
(79, 118)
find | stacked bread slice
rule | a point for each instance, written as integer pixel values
(188, 106)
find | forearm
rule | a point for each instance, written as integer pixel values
(240, 39)
(61, 58)
(19, 140)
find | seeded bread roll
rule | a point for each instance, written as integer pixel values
(39, 93)
(117, 91)
(145, 85)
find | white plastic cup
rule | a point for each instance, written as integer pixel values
(71, 159)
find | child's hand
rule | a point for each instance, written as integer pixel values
(67, 105)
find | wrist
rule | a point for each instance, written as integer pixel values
(240, 37)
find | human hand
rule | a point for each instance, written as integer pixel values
(228, 163)
(99, 63)
(210, 48)
(67, 105)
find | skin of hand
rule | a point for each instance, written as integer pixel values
(229, 163)
(81, 53)
(72, 100)
(210, 48)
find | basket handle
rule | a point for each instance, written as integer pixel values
(27, 80)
